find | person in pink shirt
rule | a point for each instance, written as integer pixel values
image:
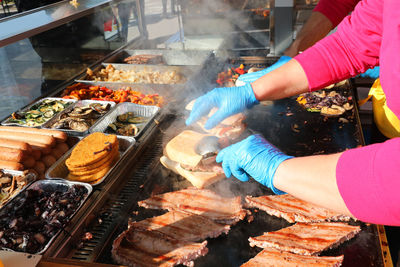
(361, 182)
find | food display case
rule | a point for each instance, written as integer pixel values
(58, 56)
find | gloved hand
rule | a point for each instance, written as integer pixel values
(228, 100)
(251, 77)
(253, 156)
(371, 73)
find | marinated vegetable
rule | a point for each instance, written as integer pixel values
(328, 103)
(10, 185)
(81, 118)
(39, 113)
(127, 124)
(80, 91)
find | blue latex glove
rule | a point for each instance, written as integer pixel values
(371, 73)
(228, 100)
(253, 156)
(251, 77)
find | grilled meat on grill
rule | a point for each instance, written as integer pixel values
(150, 248)
(293, 209)
(270, 257)
(182, 226)
(201, 202)
(306, 238)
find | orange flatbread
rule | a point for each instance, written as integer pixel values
(92, 177)
(97, 165)
(91, 149)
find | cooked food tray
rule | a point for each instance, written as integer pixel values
(169, 92)
(43, 116)
(7, 197)
(35, 229)
(180, 73)
(148, 112)
(59, 169)
(79, 104)
(170, 57)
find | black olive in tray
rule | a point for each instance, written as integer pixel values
(30, 221)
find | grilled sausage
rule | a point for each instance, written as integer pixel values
(29, 162)
(11, 165)
(39, 167)
(36, 154)
(48, 160)
(59, 135)
(12, 154)
(43, 148)
(15, 144)
(28, 137)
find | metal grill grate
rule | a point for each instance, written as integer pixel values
(116, 211)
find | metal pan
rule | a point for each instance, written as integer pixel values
(7, 122)
(184, 71)
(50, 186)
(80, 103)
(31, 177)
(138, 110)
(60, 171)
(170, 57)
(169, 92)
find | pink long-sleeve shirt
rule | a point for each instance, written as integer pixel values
(368, 178)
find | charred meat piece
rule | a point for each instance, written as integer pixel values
(181, 226)
(150, 248)
(201, 202)
(293, 209)
(145, 59)
(270, 257)
(306, 238)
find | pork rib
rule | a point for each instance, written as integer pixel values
(293, 209)
(306, 238)
(149, 248)
(270, 257)
(181, 226)
(201, 202)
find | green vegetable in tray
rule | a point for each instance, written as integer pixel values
(39, 113)
(126, 124)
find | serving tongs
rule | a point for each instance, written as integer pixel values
(210, 145)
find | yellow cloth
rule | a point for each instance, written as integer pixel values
(386, 121)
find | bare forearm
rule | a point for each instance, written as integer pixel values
(316, 28)
(312, 179)
(287, 80)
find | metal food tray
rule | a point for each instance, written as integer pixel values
(27, 108)
(18, 173)
(185, 71)
(169, 92)
(170, 57)
(60, 171)
(80, 103)
(55, 185)
(144, 111)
